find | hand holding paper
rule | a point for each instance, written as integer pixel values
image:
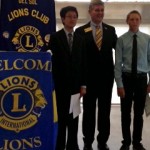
(75, 105)
(147, 105)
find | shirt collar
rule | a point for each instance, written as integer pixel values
(94, 25)
(132, 33)
(68, 32)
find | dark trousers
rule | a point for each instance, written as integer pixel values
(67, 129)
(135, 91)
(102, 94)
(67, 125)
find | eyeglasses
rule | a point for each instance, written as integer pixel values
(72, 17)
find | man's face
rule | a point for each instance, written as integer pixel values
(134, 21)
(97, 13)
(70, 19)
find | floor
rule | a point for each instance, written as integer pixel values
(114, 142)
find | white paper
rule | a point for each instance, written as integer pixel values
(147, 105)
(75, 105)
(49, 51)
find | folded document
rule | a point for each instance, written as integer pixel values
(147, 105)
(75, 105)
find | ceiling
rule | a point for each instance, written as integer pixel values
(115, 12)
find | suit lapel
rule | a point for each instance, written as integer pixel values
(64, 40)
(105, 29)
(76, 42)
(88, 32)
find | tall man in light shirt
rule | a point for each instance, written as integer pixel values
(132, 87)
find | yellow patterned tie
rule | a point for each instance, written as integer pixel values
(98, 37)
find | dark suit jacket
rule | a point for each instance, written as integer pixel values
(100, 62)
(68, 67)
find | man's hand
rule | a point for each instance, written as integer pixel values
(82, 91)
(148, 88)
(121, 92)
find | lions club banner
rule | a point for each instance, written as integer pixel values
(26, 25)
(28, 118)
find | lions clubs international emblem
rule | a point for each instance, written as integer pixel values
(21, 103)
(28, 39)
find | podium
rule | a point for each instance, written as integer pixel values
(28, 115)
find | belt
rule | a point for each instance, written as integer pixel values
(139, 74)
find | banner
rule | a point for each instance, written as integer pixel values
(28, 116)
(26, 25)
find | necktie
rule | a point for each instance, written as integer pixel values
(70, 40)
(134, 55)
(98, 37)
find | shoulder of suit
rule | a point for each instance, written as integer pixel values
(57, 35)
(85, 28)
(78, 35)
(107, 26)
(59, 32)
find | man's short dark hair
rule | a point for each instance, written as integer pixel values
(66, 9)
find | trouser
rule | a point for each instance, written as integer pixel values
(101, 94)
(135, 91)
(67, 125)
(67, 129)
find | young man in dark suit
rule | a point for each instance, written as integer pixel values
(68, 61)
(100, 76)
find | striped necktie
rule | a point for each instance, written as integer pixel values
(98, 37)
